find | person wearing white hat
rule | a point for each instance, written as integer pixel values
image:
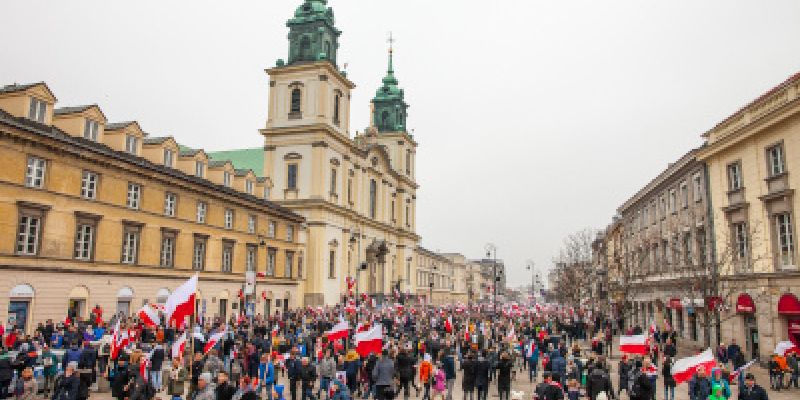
(205, 388)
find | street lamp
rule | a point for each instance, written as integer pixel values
(532, 267)
(492, 249)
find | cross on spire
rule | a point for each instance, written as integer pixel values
(391, 50)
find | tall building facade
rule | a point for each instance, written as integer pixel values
(100, 213)
(357, 192)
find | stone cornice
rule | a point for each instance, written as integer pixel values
(311, 66)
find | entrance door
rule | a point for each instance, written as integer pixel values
(752, 338)
(18, 314)
(76, 308)
(223, 309)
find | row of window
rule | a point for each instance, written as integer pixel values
(782, 232)
(29, 237)
(776, 165)
(668, 202)
(35, 178)
(680, 250)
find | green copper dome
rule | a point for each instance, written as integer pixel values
(390, 108)
(312, 33)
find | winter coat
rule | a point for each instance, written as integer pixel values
(598, 381)
(468, 379)
(383, 372)
(266, 373)
(482, 372)
(699, 388)
(176, 384)
(504, 368)
(67, 388)
(753, 393)
(405, 366)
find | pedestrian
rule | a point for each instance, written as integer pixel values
(405, 371)
(383, 375)
(266, 375)
(176, 385)
(504, 367)
(49, 370)
(717, 379)
(224, 389)
(669, 380)
(205, 388)
(327, 371)
(6, 372)
(156, 367)
(794, 370)
(308, 376)
(752, 391)
(641, 387)
(67, 385)
(598, 382)
(439, 385)
(426, 375)
(27, 387)
(449, 366)
(468, 378)
(699, 385)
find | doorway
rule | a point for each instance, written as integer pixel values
(124, 308)
(751, 332)
(76, 309)
(18, 314)
(223, 309)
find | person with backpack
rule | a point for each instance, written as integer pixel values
(599, 381)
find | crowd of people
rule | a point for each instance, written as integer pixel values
(425, 352)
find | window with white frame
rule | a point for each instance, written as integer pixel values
(29, 232)
(735, 176)
(250, 262)
(130, 245)
(131, 144)
(134, 195)
(226, 179)
(228, 218)
(199, 254)
(740, 237)
(333, 181)
(90, 130)
(169, 157)
(170, 203)
(684, 194)
(271, 228)
(673, 201)
(775, 157)
(227, 256)
(37, 110)
(167, 259)
(251, 224)
(271, 256)
(202, 208)
(199, 169)
(89, 185)
(34, 174)
(84, 240)
(266, 193)
(248, 186)
(288, 266)
(785, 235)
(291, 176)
(290, 233)
(697, 182)
(332, 264)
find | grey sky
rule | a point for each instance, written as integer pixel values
(534, 118)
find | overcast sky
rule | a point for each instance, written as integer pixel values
(534, 118)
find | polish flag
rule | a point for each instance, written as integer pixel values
(735, 374)
(115, 334)
(370, 341)
(448, 324)
(149, 316)
(351, 307)
(339, 331)
(144, 365)
(180, 304)
(786, 347)
(213, 340)
(362, 327)
(635, 344)
(685, 368)
(179, 346)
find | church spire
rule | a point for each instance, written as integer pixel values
(389, 106)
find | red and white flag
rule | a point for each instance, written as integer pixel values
(213, 340)
(448, 324)
(351, 307)
(635, 344)
(144, 365)
(685, 368)
(370, 341)
(180, 304)
(339, 331)
(735, 374)
(149, 316)
(179, 346)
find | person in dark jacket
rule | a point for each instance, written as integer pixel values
(669, 380)
(624, 370)
(120, 379)
(641, 385)
(156, 366)
(752, 391)
(449, 366)
(293, 367)
(504, 367)
(599, 381)
(482, 376)
(699, 385)
(68, 385)
(224, 389)
(468, 379)
(6, 373)
(307, 375)
(404, 364)
(547, 390)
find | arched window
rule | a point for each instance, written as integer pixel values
(336, 100)
(385, 120)
(305, 49)
(373, 198)
(297, 96)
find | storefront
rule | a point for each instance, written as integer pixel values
(675, 315)
(746, 309)
(789, 309)
(19, 306)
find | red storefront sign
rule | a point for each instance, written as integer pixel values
(714, 302)
(745, 304)
(794, 326)
(675, 304)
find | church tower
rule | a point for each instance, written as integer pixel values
(312, 33)
(389, 109)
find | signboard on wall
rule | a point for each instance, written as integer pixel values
(249, 282)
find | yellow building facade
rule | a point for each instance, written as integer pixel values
(753, 158)
(99, 213)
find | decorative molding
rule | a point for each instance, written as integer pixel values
(335, 161)
(86, 215)
(271, 83)
(270, 148)
(319, 144)
(292, 156)
(323, 77)
(34, 206)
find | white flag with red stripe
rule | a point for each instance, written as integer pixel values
(179, 346)
(213, 340)
(448, 324)
(370, 341)
(339, 331)
(149, 316)
(685, 368)
(634, 344)
(181, 303)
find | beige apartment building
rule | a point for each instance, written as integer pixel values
(100, 213)
(753, 160)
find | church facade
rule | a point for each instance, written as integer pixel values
(357, 192)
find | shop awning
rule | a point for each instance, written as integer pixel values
(789, 305)
(675, 304)
(745, 304)
(714, 302)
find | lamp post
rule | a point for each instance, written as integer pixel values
(532, 267)
(491, 249)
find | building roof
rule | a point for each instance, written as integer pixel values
(81, 144)
(241, 172)
(112, 126)
(18, 87)
(217, 163)
(157, 140)
(73, 109)
(252, 158)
